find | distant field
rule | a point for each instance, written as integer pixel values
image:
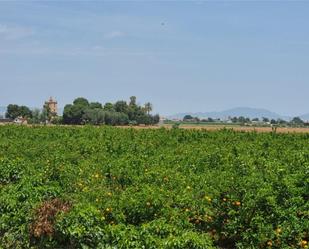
(208, 127)
(220, 127)
(106, 187)
(246, 128)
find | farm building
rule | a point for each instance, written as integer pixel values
(20, 120)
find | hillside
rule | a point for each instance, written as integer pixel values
(305, 117)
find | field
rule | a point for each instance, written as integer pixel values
(237, 127)
(218, 127)
(246, 128)
(106, 187)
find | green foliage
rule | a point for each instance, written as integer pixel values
(14, 111)
(81, 102)
(11, 171)
(36, 116)
(95, 105)
(116, 118)
(106, 187)
(94, 116)
(242, 120)
(121, 106)
(188, 117)
(120, 113)
(109, 107)
(148, 107)
(297, 121)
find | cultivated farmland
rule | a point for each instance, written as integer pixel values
(106, 187)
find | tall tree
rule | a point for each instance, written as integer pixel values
(95, 105)
(35, 116)
(148, 107)
(297, 121)
(132, 101)
(109, 107)
(44, 116)
(12, 111)
(25, 111)
(121, 106)
(81, 101)
(187, 117)
(73, 114)
(47, 114)
(94, 116)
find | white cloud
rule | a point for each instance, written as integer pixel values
(14, 32)
(114, 34)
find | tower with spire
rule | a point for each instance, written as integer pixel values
(52, 105)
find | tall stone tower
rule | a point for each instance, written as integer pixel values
(53, 105)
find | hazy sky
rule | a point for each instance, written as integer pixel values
(179, 55)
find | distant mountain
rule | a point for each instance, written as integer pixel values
(305, 117)
(234, 112)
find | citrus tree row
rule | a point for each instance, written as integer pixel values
(90, 187)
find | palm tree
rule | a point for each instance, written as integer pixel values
(148, 107)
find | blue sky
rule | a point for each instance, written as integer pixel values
(179, 55)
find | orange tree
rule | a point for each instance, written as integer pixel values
(90, 187)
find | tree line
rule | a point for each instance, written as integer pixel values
(119, 113)
(81, 111)
(296, 121)
(35, 116)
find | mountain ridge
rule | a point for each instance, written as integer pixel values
(305, 117)
(247, 112)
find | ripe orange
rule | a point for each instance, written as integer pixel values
(237, 203)
(304, 244)
(269, 243)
